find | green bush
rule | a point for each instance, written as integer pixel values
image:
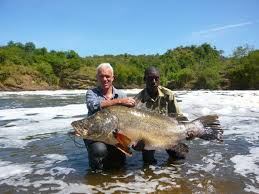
(47, 73)
(208, 79)
(184, 78)
(190, 67)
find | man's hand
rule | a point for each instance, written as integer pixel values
(191, 135)
(130, 102)
(178, 116)
(139, 146)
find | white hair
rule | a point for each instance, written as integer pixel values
(104, 65)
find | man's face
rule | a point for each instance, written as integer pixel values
(152, 79)
(105, 78)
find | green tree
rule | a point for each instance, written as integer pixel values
(29, 46)
(244, 73)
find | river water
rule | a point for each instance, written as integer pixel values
(38, 156)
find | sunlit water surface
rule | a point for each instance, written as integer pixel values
(38, 156)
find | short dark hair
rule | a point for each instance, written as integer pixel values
(151, 69)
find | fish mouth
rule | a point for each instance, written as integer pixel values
(77, 127)
(74, 133)
(77, 133)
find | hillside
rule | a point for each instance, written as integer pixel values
(25, 67)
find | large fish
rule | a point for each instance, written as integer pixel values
(122, 127)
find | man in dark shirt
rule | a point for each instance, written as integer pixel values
(161, 100)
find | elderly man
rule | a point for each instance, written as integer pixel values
(161, 100)
(103, 156)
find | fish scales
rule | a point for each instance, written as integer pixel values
(122, 126)
(156, 130)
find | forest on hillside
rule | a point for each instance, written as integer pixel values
(25, 67)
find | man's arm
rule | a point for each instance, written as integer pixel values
(94, 103)
(173, 105)
(130, 102)
(174, 110)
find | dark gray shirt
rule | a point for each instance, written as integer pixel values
(94, 97)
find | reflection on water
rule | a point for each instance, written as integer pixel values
(38, 156)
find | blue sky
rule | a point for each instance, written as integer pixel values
(136, 27)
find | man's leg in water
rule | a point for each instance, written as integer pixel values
(102, 156)
(179, 152)
(114, 159)
(149, 156)
(97, 151)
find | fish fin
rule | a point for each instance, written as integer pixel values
(181, 147)
(122, 139)
(124, 149)
(211, 129)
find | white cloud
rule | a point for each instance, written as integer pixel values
(222, 28)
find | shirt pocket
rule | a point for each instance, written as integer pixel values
(163, 106)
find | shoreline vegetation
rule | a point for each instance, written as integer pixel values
(23, 67)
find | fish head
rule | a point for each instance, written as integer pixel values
(97, 127)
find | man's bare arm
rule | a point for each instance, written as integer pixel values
(130, 102)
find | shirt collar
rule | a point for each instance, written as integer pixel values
(114, 92)
(147, 97)
(160, 93)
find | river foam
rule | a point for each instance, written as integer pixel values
(38, 156)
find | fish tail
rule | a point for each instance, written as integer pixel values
(209, 128)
